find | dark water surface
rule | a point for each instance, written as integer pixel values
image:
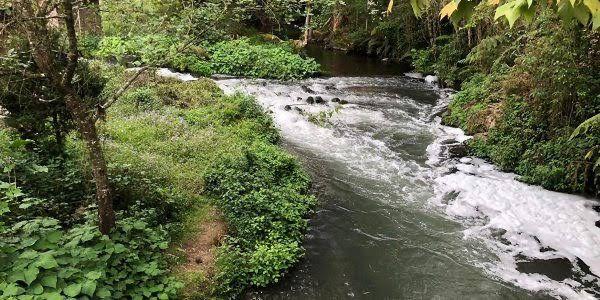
(340, 63)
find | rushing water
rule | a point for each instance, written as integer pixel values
(400, 219)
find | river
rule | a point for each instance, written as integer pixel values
(398, 216)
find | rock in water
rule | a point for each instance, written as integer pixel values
(458, 150)
(431, 79)
(306, 89)
(287, 107)
(343, 102)
(335, 99)
(319, 100)
(310, 100)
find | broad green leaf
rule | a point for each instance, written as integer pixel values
(54, 236)
(4, 207)
(49, 280)
(52, 296)
(30, 274)
(37, 289)
(88, 288)
(594, 7)
(418, 6)
(588, 125)
(103, 293)
(12, 290)
(72, 290)
(581, 13)
(93, 275)
(47, 261)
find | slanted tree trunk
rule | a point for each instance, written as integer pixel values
(37, 30)
(86, 126)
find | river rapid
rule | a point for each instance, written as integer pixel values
(399, 217)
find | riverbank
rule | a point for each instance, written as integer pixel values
(215, 205)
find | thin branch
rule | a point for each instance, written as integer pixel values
(73, 55)
(122, 90)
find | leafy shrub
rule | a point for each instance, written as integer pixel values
(266, 213)
(445, 59)
(40, 259)
(423, 60)
(151, 49)
(242, 58)
(468, 102)
(541, 85)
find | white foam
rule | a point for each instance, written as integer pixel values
(431, 79)
(534, 218)
(164, 72)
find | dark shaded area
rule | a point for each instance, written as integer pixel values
(340, 63)
(556, 268)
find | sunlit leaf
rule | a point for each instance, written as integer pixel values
(448, 9)
(594, 7)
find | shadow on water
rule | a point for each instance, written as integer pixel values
(340, 63)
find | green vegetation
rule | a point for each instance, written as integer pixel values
(221, 147)
(173, 149)
(524, 107)
(242, 57)
(107, 174)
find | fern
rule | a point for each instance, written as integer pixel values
(586, 127)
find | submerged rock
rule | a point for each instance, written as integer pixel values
(343, 102)
(287, 107)
(555, 268)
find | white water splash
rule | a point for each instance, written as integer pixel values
(537, 223)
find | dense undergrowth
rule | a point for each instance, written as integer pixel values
(173, 148)
(525, 101)
(246, 57)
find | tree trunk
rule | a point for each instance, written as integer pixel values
(38, 32)
(88, 19)
(86, 126)
(307, 29)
